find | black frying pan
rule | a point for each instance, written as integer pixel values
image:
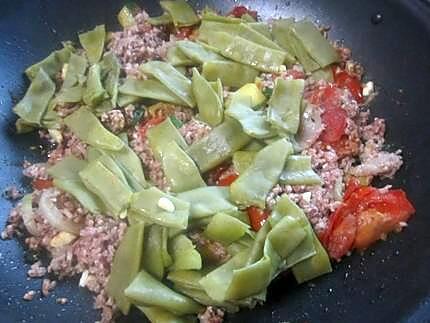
(389, 283)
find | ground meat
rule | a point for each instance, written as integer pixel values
(138, 44)
(47, 286)
(212, 251)
(295, 72)
(382, 164)
(194, 130)
(37, 270)
(28, 296)
(211, 315)
(35, 171)
(113, 120)
(70, 145)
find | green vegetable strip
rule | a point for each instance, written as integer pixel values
(125, 266)
(146, 290)
(209, 104)
(111, 70)
(161, 135)
(172, 79)
(225, 228)
(165, 255)
(262, 28)
(102, 182)
(149, 89)
(159, 315)
(124, 99)
(230, 73)
(75, 72)
(23, 126)
(89, 129)
(198, 53)
(69, 95)
(152, 254)
(93, 42)
(181, 172)
(218, 145)
(298, 171)
(94, 154)
(314, 266)
(146, 202)
(210, 15)
(127, 13)
(164, 19)
(94, 91)
(181, 12)
(246, 52)
(325, 74)
(176, 57)
(186, 278)
(252, 187)
(185, 256)
(35, 101)
(285, 103)
(253, 122)
(242, 160)
(51, 64)
(209, 200)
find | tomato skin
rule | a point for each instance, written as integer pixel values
(41, 184)
(239, 11)
(227, 179)
(342, 237)
(344, 80)
(146, 124)
(257, 217)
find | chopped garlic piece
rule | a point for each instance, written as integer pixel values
(84, 278)
(307, 196)
(61, 239)
(368, 88)
(165, 204)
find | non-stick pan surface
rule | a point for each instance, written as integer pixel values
(389, 283)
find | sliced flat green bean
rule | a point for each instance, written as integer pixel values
(249, 90)
(125, 266)
(162, 135)
(262, 28)
(35, 101)
(164, 19)
(181, 172)
(176, 57)
(124, 100)
(23, 126)
(127, 13)
(209, 200)
(94, 92)
(146, 290)
(186, 278)
(149, 89)
(325, 74)
(209, 104)
(51, 64)
(110, 70)
(210, 15)
(159, 315)
(152, 253)
(280, 31)
(116, 196)
(172, 79)
(225, 228)
(89, 129)
(298, 171)
(285, 103)
(252, 187)
(254, 146)
(218, 145)
(147, 203)
(75, 73)
(230, 73)
(198, 53)
(93, 42)
(70, 94)
(181, 12)
(185, 255)
(96, 154)
(242, 160)
(165, 255)
(257, 249)
(247, 52)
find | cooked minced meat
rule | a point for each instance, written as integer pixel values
(211, 315)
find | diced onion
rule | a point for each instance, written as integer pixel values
(310, 127)
(28, 215)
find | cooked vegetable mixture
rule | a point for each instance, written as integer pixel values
(195, 156)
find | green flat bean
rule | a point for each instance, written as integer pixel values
(23, 127)
(70, 95)
(164, 19)
(93, 42)
(198, 53)
(110, 68)
(298, 171)
(209, 104)
(218, 145)
(325, 74)
(159, 315)
(181, 12)
(252, 187)
(242, 160)
(230, 73)
(94, 92)
(225, 228)
(286, 235)
(176, 57)
(125, 265)
(124, 100)
(152, 253)
(262, 28)
(33, 105)
(185, 255)
(96, 154)
(75, 72)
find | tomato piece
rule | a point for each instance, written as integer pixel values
(342, 237)
(334, 119)
(257, 217)
(345, 80)
(41, 184)
(227, 178)
(371, 226)
(146, 124)
(239, 11)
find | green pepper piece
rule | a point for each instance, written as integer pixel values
(51, 64)
(181, 172)
(125, 266)
(285, 103)
(161, 135)
(182, 13)
(247, 52)
(230, 73)
(93, 42)
(89, 129)
(242, 160)
(152, 253)
(164, 19)
(176, 57)
(209, 200)
(198, 53)
(110, 68)
(210, 106)
(298, 171)
(225, 228)
(185, 256)
(159, 315)
(75, 72)
(66, 177)
(147, 203)
(116, 196)
(252, 187)
(33, 105)
(94, 91)
(149, 89)
(218, 145)
(146, 290)
(172, 79)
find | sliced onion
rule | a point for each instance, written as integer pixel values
(53, 215)
(28, 215)
(311, 127)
